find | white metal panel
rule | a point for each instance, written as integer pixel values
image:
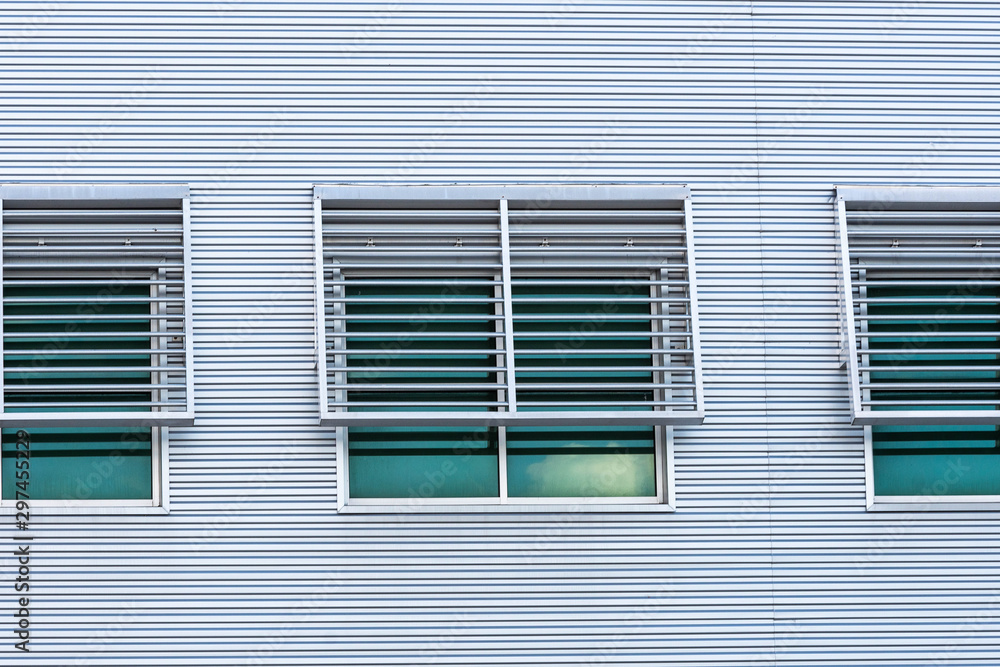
(253, 103)
(880, 94)
(510, 588)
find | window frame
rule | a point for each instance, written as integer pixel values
(159, 502)
(916, 502)
(662, 421)
(157, 421)
(947, 201)
(664, 501)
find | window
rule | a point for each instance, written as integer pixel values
(506, 344)
(96, 341)
(922, 339)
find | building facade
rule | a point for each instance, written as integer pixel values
(763, 543)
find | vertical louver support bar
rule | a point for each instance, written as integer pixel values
(96, 305)
(921, 303)
(494, 305)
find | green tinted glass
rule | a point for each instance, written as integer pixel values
(556, 326)
(935, 460)
(77, 463)
(587, 462)
(916, 331)
(951, 460)
(454, 462)
(52, 359)
(423, 462)
(588, 350)
(414, 355)
(101, 463)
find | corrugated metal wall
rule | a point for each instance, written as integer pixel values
(761, 107)
(878, 93)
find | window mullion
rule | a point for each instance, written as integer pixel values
(502, 462)
(508, 311)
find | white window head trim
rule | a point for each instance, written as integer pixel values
(918, 266)
(491, 257)
(81, 237)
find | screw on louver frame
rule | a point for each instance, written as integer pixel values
(434, 298)
(920, 303)
(97, 303)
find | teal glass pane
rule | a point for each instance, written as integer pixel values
(581, 462)
(37, 368)
(590, 317)
(602, 338)
(423, 462)
(436, 332)
(44, 360)
(945, 460)
(99, 463)
(920, 329)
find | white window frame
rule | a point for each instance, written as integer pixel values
(159, 503)
(157, 421)
(665, 499)
(918, 503)
(947, 202)
(661, 420)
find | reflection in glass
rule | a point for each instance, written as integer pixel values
(581, 462)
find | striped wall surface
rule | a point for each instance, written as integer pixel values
(760, 107)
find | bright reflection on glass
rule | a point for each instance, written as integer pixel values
(581, 462)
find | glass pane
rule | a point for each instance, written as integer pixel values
(581, 462)
(594, 347)
(938, 460)
(98, 463)
(949, 460)
(51, 359)
(926, 330)
(587, 317)
(78, 463)
(462, 353)
(423, 462)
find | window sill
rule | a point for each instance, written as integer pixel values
(935, 504)
(37, 510)
(508, 508)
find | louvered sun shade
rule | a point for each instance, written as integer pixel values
(428, 289)
(921, 271)
(96, 305)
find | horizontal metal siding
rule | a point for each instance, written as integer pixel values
(770, 549)
(863, 93)
(253, 566)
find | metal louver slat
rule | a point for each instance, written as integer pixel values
(96, 305)
(413, 314)
(921, 304)
(636, 308)
(493, 305)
